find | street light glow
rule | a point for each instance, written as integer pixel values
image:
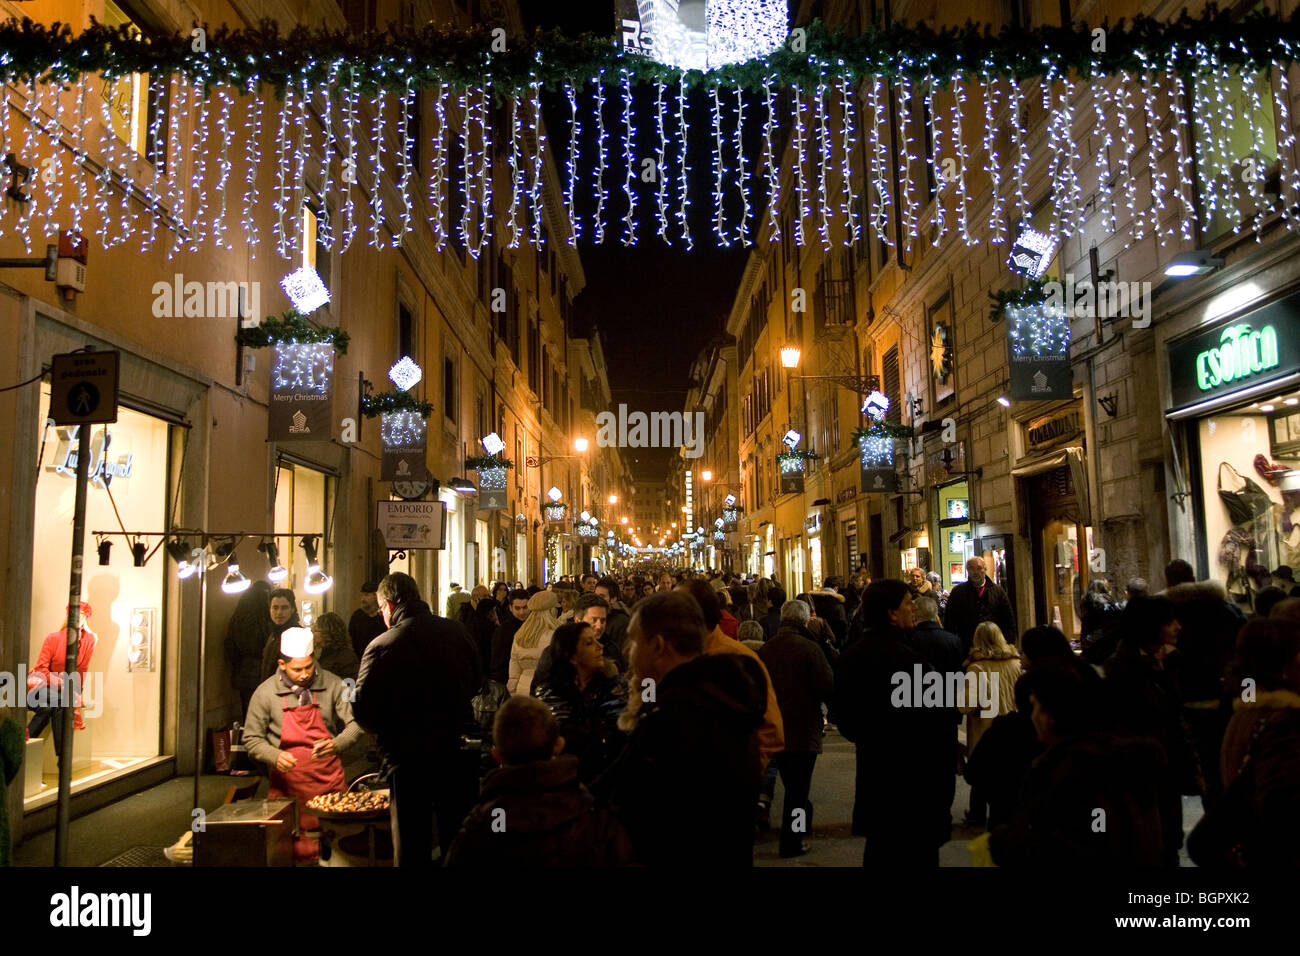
(790, 356)
(580, 444)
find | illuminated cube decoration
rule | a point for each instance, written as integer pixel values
(704, 34)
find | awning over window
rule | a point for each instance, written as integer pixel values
(1071, 457)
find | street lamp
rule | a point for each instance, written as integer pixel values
(613, 499)
(580, 444)
(706, 475)
(790, 356)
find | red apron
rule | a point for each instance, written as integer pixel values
(300, 728)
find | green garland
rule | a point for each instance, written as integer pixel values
(464, 58)
(394, 400)
(477, 462)
(1032, 294)
(881, 428)
(291, 327)
(795, 454)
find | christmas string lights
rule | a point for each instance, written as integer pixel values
(403, 429)
(877, 449)
(1155, 147)
(303, 367)
(1018, 137)
(1123, 108)
(324, 222)
(348, 170)
(824, 148)
(79, 160)
(936, 135)
(715, 109)
(661, 170)
(484, 171)
(467, 166)
(6, 144)
(1183, 147)
(223, 165)
(1065, 119)
(252, 160)
(185, 91)
(438, 169)
(199, 224)
(539, 151)
(405, 167)
(800, 158)
(907, 202)
(684, 170)
(282, 169)
(1286, 146)
(959, 147)
(1038, 329)
(1101, 135)
(30, 149)
(598, 224)
(377, 183)
(770, 164)
(55, 132)
(629, 162)
(880, 200)
(992, 164)
(1255, 182)
(575, 143)
(516, 174)
(742, 174)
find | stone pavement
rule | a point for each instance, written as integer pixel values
(832, 797)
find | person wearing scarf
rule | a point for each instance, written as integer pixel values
(299, 722)
(284, 615)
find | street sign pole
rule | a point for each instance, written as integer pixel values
(66, 714)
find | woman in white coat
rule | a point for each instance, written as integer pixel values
(531, 639)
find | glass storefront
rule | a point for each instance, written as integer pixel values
(122, 689)
(303, 505)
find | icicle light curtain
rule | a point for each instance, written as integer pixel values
(337, 110)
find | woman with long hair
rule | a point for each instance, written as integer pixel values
(586, 694)
(333, 649)
(995, 661)
(530, 640)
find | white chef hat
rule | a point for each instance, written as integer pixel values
(296, 642)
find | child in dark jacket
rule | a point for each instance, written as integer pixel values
(534, 811)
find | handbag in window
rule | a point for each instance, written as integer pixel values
(1245, 503)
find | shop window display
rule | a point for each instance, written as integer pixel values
(118, 727)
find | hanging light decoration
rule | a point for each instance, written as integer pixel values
(305, 290)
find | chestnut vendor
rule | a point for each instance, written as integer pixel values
(299, 721)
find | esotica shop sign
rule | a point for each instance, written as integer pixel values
(1245, 350)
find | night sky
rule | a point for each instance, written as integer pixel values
(655, 306)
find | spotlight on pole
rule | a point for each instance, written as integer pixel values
(104, 547)
(272, 551)
(236, 582)
(183, 556)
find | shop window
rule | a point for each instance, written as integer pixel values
(314, 231)
(122, 690)
(304, 502)
(134, 103)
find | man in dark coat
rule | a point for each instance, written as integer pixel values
(1209, 624)
(771, 620)
(941, 649)
(366, 622)
(414, 692)
(686, 785)
(906, 777)
(804, 681)
(534, 811)
(504, 637)
(976, 600)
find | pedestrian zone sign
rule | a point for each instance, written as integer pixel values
(83, 388)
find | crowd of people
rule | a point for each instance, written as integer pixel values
(647, 719)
